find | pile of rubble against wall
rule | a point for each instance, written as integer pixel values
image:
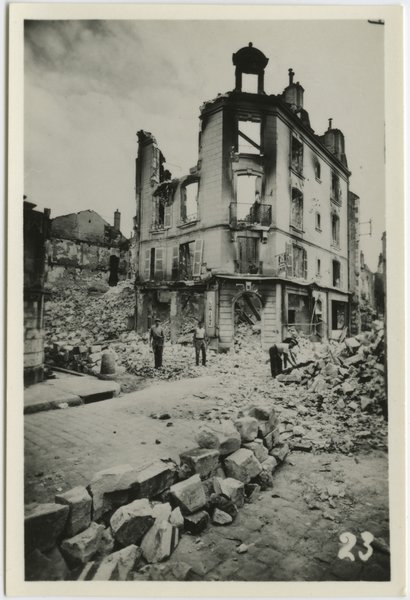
(127, 519)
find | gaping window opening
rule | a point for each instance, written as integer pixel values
(114, 264)
(152, 264)
(249, 83)
(298, 313)
(296, 215)
(336, 273)
(335, 189)
(248, 197)
(299, 262)
(189, 202)
(162, 214)
(186, 260)
(297, 155)
(318, 222)
(248, 254)
(335, 230)
(316, 166)
(249, 137)
(318, 268)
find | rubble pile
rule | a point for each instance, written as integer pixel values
(128, 519)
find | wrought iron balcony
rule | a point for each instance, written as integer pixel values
(248, 215)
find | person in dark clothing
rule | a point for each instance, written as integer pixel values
(156, 337)
(277, 352)
(200, 343)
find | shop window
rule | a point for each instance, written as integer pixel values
(335, 230)
(297, 155)
(298, 313)
(318, 222)
(339, 315)
(189, 202)
(336, 273)
(249, 137)
(296, 214)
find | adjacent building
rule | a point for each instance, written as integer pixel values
(263, 229)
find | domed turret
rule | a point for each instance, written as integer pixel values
(252, 61)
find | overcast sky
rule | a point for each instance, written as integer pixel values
(91, 85)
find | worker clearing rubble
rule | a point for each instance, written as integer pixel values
(280, 351)
(200, 340)
(156, 337)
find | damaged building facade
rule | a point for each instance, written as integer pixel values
(260, 230)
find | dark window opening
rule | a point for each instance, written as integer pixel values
(339, 315)
(296, 218)
(186, 260)
(318, 223)
(335, 230)
(249, 137)
(297, 155)
(152, 264)
(336, 273)
(335, 191)
(248, 255)
(318, 266)
(317, 169)
(189, 202)
(114, 263)
(299, 262)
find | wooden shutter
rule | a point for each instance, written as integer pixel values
(198, 258)
(175, 263)
(159, 263)
(304, 264)
(167, 216)
(289, 259)
(147, 263)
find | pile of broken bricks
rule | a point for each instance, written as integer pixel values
(129, 518)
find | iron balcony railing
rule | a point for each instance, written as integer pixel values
(250, 214)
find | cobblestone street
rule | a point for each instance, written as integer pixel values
(288, 537)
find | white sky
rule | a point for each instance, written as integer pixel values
(91, 85)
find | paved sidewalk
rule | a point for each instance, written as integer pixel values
(67, 390)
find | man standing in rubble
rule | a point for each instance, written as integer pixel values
(156, 337)
(277, 352)
(200, 343)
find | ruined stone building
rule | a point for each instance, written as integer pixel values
(263, 229)
(84, 242)
(36, 226)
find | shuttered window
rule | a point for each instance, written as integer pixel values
(159, 263)
(199, 244)
(175, 263)
(146, 271)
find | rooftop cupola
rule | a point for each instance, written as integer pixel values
(251, 61)
(334, 141)
(293, 93)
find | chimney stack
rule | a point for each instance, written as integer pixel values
(117, 220)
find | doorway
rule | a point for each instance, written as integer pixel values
(114, 264)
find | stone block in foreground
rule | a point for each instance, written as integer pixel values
(226, 438)
(189, 494)
(44, 525)
(79, 502)
(247, 428)
(160, 541)
(131, 522)
(242, 465)
(116, 567)
(258, 448)
(120, 478)
(232, 488)
(155, 479)
(82, 547)
(201, 460)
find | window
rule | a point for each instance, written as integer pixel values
(187, 260)
(295, 260)
(189, 202)
(298, 313)
(154, 263)
(248, 259)
(339, 315)
(336, 273)
(161, 214)
(249, 137)
(296, 155)
(296, 214)
(335, 191)
(318, 224)
(316, 166)
(318, 268)
(248, 191)
(249, 83)
(335, 230)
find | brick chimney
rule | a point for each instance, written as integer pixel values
(117, 220)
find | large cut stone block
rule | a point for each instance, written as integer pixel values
(248, 428)
(177, 518)
(118, 565)
(197, 522)
(44, 525)
(232, 488)
(263, 413)
(269, 464)
(162, 511)
(114, 479)
(79, 502)
(160, 541)
(201, 460)
(272, 439)
(130, 523)
(189, 494)
(225, 438)
(155, 479)
(259, 450)
(280, 452)
(242, 465)
(83, 546)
